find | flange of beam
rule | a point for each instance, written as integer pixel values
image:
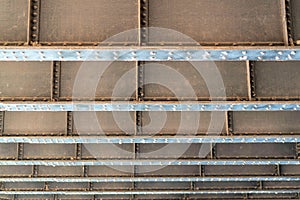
(151, 106)
(149, 139)
(151, 192)
(150, 179)
(149, 53)
(157, 162)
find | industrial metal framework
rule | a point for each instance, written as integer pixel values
(50, 149)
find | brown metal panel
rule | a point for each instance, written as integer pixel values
(68, 186)
(8, 151)
(168, 170)
(163, 185)
(253, 170)
(173, 151)
(107, 151)
(266, 122)
(87, 21)
(15, 171)
(290, 170)
(225, 185)
(46, 171)
(112, 186)
(78, 77)
(183, 122)
(281, 185)
(34, 123)
(190, 80)
(49, 151)
(24, 186)
(277, 79)
(25, 80)
(217, 20)
(295, 6)
(271, 150)
(13, 21)
(110, 171)
(109, 123)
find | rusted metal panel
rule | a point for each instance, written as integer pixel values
(64, 21)
(217, 21)
(13, 21)
(266, 122)
(35, 123)
(49, 151)
(25, 80)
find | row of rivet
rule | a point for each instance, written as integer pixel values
(34, 22)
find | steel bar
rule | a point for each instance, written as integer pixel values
(151, 106)
(148, 54)
(150, 179)
(148, 139)
(148, 162)
(153, 192)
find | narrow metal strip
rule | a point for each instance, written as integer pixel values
(33, 33)
(151, 106)
(141, 162)
(148, 54)
(151, 179)
(152, 192)
(150, 139)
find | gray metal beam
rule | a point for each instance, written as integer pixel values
(157, 162)
(151, 192)
(148, 53)
(151, 179)
(148, 139)
(151, 106)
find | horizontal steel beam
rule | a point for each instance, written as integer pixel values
(152, 192)
(148, 54)
(149, 139)
(151, 106)
(151, 179)
(157, 162)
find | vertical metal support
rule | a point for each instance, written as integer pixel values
(249, 80)
(78, 151)
(33, 32)
(202, 170)
(69, 123)
(56, 69)
(35, 169)
(85, 171)
(298, 150)
(212, 151)
(144, 22)
(278, 170)
(289, 21)
(2, 113)
(252, 80)
(229, 123)
(283, 14)
(20, 151)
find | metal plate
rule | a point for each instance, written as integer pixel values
(35, 123)
(49, 151)
(295, 6)
(192, 80)
(168, 170)
(107, 151)
(46, 171)
(15, 171)
(217, 21)
(109, 123)
(13, 21)
(239, 170)
(277, 80)
(191, 123)
(87, 21)
(23, 80)
(8, 151)
(78, 77)
(109, 171)
(225, 185)
(266, 122)
(251, 150)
